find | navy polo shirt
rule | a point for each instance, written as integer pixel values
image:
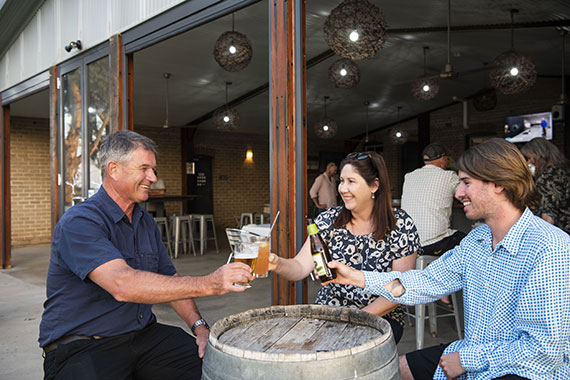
(90, 234)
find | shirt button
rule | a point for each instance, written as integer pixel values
(140, 316)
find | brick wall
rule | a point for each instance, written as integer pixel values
(168, 161)
(238, 186)
(30, 181)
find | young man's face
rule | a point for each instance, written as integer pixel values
(478, 197)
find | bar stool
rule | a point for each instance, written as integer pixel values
(182, 223)
(246, 217)
(420, 312)
(162, 223)
(202, 220)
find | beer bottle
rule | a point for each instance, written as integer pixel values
(320, 253)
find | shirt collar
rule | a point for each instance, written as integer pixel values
(513, 239)
(112, 208)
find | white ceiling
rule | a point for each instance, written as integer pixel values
(197, 85)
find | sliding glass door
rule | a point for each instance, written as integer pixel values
(84, 121)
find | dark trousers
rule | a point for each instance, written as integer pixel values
(424, 362)
(397, 328)
(444, 245)
(156, 352)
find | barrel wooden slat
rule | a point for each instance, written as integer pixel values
(299, 337)
(270, 329)
(301, 342)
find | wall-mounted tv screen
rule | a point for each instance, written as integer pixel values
(524, 128)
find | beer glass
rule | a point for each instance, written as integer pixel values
(246, 252)
(262, 264)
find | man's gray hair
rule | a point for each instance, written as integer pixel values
(119, 146)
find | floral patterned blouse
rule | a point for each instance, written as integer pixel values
(362, 252)
(553, 186)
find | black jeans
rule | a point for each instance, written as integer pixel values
(155, 352)
(424, 362)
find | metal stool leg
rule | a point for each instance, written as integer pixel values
(456, 313)
(420, 322)
(211, 219)
(191, 235)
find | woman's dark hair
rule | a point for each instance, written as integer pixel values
(371, 167)
(544, 154)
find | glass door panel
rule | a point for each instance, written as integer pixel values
(97, 118)
(72, 138)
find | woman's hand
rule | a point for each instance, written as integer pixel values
(346, 275)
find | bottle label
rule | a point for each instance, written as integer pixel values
(312, 229)
(320, 265)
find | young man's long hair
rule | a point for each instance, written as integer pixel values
(500, 162)
(371, 167)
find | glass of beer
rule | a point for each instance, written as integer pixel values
(262, 264)
(246, 253)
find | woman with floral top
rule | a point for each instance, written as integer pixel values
(365, 233)
(551, 174)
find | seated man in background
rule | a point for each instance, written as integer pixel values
(514, 271)
(323, 192)
(108, 266)
(427, 196)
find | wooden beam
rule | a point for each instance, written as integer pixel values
(130, 89)
(287, 138)
(53, 146)
(5, 195)
(116, 93)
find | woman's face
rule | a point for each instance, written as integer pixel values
(354, 190)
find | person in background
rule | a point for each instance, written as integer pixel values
(365, 233)
(323, 191)
(427, 196)
(108, 266)
(514, 271)
(551, 172)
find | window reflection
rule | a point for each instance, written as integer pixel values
(73, 141)
(97, 116)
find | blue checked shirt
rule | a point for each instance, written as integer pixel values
(516, 297)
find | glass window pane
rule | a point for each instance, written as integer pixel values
(97, 116)
(72, 147)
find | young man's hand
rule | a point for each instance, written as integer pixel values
(346, 275)
(451, 365)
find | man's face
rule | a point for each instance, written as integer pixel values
(331, 171)
(136, 175)
(478, 197)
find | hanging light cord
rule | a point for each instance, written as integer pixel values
(449, 32)
(563, 32)
(367, 107)
(425, 51)
(513, 11)
(233, 21)
(227, 84)
(167, 77)
(326, 97)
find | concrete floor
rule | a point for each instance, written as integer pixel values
(22, 293)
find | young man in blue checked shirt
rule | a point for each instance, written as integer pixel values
(514, 271)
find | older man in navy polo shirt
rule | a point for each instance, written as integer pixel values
(108, 266)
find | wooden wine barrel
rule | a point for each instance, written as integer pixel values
(301, 342)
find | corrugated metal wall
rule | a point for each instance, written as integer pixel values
(58, 22)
